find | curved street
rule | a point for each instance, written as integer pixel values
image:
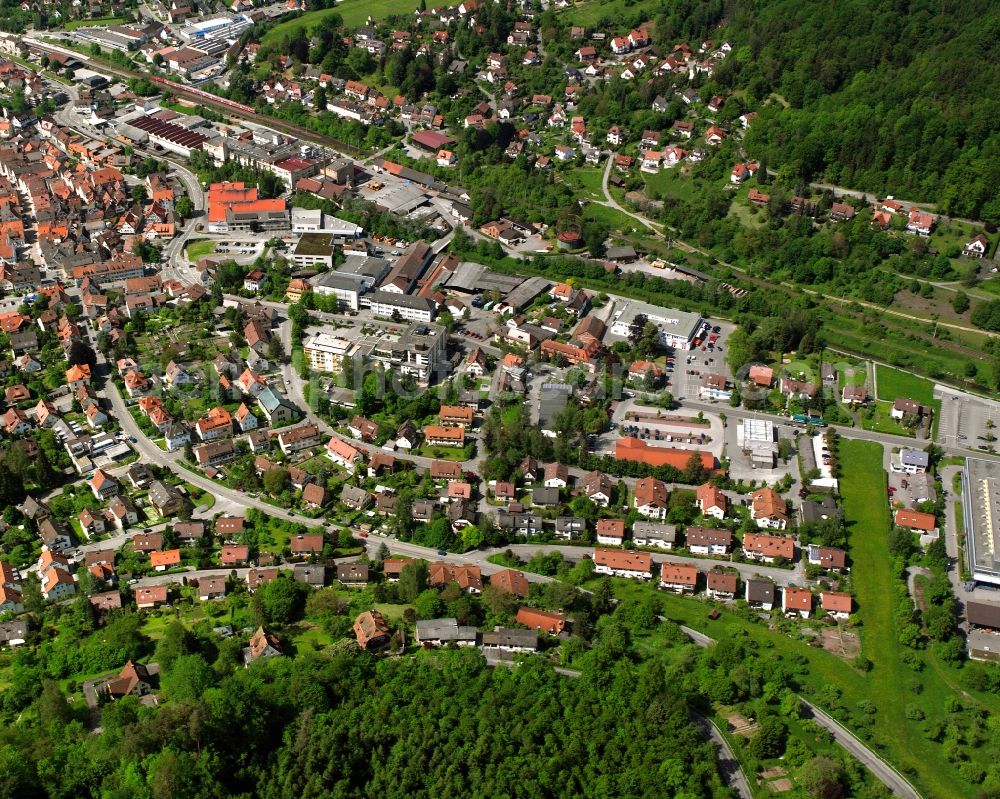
(885, 773)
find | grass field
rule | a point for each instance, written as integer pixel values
(611, 217)
(590, 12)
(588, 181)
(199, 248)
(866, 511)
(882, 421)
(893, 383)
(74, 24)
(353, 12)
(669, 183)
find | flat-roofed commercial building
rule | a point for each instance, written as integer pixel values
(756, 439)
(314, 249)
(417, 352)
(345, 288)
(405, 306)
(678, 329)
(326, 353)
(981, 500)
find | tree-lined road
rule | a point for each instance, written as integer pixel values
(151, 453)
(884, 772)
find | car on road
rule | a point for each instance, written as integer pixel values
(442, 553)
(363, 534)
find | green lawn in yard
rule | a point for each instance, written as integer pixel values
(669, 183)
(73, 24)
(866, 512)
(442, 453)
(199, 248)
(882, 421)
(894, 383)
(747, 215)
(590, 12)
(859, 373)
(611, 217)
(586, 180)
(353, 12)
(206, 501)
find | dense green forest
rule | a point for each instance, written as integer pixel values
(343, 723)
(886, 96)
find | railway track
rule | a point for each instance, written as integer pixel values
(220, 104)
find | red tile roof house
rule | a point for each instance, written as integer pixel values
(651, 498)
(915, 520)
(610, 532)
(761, 375)
(678, 577)
(711, 501)
(234, 555)
(511, 581)
(343, 454)
(306, 544)
(768, 548)
(836, 604)
(314, 495)
(446, 470)
(796, 600)
(722, 585)
(161, 561)
(618, 563)
(103, 485)
(469, 578)
(226, 526)
(392, 568)
(502, 490)
(556, 475)
(150, 596)
(541, 620)
(768, 509)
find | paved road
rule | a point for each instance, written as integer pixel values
(610, 201)
(729, 766)
(780, 576)
(194, 574)
(884, 772)
(151, 453)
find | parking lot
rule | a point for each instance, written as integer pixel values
(709, 357)
(966, 421)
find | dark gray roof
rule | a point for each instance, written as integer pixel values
(312, 574)
(982, 614)
(813, 511)
(545, 496)
(13, 630)
(511, 637)
(444, 630)
(760, 591)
